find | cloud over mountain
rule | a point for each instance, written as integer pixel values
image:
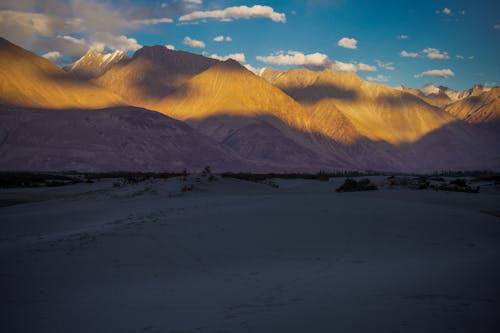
(313, 60)
(235, 13)
(239, 57)
(436, 72)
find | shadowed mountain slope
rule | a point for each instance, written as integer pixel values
(115, 139)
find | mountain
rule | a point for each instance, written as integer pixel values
(230, 89)
(431, 89)
(269, 74)
(479, 107)
(247, 114)
(376, 111)
(231, 119)
(114, 139)
(93, 64)
(476, 90)
(152, 73)
(28, 80)
(431, 94)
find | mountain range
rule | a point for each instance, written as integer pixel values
(165, 110)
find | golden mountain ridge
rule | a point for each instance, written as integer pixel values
(376, 111)
(28, 80)
(230, 89)
(153, 73)
(478, 108)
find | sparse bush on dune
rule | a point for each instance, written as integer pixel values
(351, 185)
(435, 183)
(187, 188)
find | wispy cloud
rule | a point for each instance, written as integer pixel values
(386, 65)
(52, 56)
(436, 72)
(237, 12)
(193, 43)
(348, 43)
(403, 37)
(433, 53)
(221, 38)
(378, 78)
(406, 54)
(366, 68)
(445, 11)
(152, 21)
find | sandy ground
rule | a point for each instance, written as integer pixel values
(236, 256)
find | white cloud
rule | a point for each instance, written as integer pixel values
(170, 47)
(386, 65)
(366, 68)
(378, 78)
(314, 60)
(239, 57)
(295, 58)
(152, 21)
(193, 42)
(436, 72)
(348, 43)
(52, 56)
(35, 23)
(102, 40)
(463, 12)
(237, 12)
(496, 27)
(222, 39)
(459, 56)
(471, 58)
(433, 53)
(445, 11)
(343, 66)
(24, 28)
(196, 2)
(403, 37)
(255, 70)
(405, 54)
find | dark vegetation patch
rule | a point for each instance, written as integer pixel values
(432, 182)
(26, 179)
(351, 185)
(321, 176)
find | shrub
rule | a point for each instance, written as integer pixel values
(351, 185)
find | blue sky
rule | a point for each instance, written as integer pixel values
(453, 43)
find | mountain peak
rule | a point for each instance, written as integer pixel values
(94, 64)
